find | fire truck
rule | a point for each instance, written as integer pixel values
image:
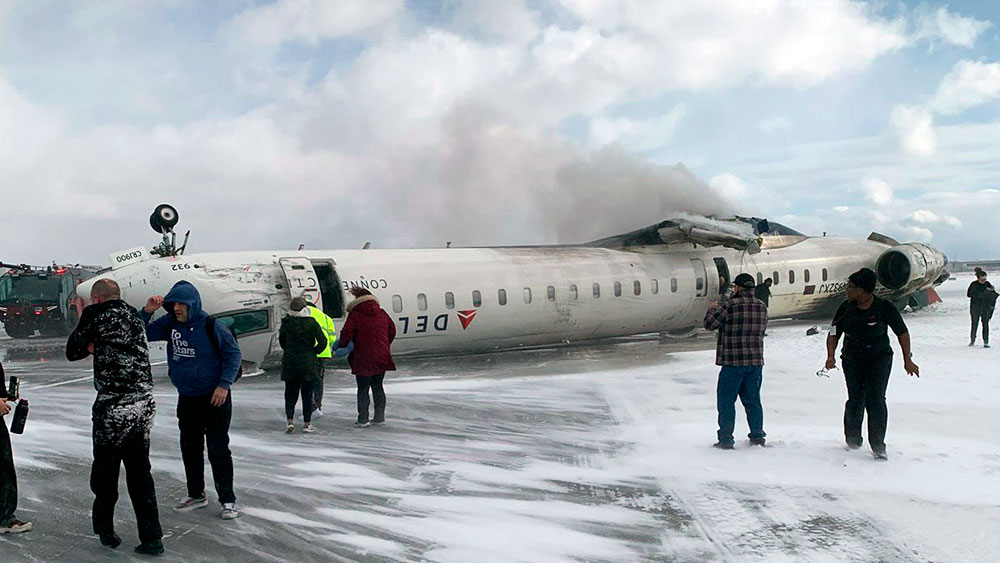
(40, 299)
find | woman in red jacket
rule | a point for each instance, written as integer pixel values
(372, 331)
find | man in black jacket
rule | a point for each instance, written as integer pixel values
(8, 479)
(301, 339)
(122, 414)
(982, 301)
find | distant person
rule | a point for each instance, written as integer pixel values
(9, 524)
(371, 331)
(867, 358)
(203, 361)
(982, 302)
(763, 292)
(123, 412)
(301, 339)
(741, 322)
(326, 323)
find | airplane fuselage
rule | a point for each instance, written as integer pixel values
(463, 300)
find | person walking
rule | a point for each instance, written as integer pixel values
(203, 361)
(741, 321)
(864, 320)
(9, 524)
(301, 339)
(326, 323)
(371, 331)
(982, 302)
(122, 414)
(763, 292)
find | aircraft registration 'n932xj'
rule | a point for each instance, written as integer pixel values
(659, 279)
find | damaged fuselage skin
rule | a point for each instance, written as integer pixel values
(464, 300)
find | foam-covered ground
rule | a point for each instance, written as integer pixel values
(592, 454)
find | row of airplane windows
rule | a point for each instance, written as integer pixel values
(574, 294)
(550, 294)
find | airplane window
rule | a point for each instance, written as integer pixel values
(824, 274)
(699, 284)
(791, 276)
(551, 292)
(449, 300)
(775, 278)
(636, 287)
(421, 302)
(656, 286)
(806, 276)
(502, 296)
(760, 278)
(246, 322)
(618, 289)
(477, 299)
(573, 293)
(597, 291)
(397, 304)
(527, 295)
(673, 285)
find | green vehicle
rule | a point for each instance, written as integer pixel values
(40, 299)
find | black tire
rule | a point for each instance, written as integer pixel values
(17, 331)
(163, 217)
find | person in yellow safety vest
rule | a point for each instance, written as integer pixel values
(330, 330)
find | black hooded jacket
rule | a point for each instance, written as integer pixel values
(122, 376)
(301, 341)
(982, 296)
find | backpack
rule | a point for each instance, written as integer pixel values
(214, 340)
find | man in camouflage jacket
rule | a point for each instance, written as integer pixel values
(113, 332)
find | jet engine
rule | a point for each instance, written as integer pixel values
(911, 267)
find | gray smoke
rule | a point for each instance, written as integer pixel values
(489, 181)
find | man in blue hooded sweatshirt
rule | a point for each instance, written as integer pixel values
(202, 371)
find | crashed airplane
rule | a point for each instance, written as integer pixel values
(659, 279)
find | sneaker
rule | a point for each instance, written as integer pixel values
(973, 343)
(189, 503)
(154, 547)
(317, 412)
(229, 511)
(290, 428)
(15, 526)
(111, 540)
(378, 421)
(308, 429)
(986, 344)
(879, 453)
(362, 423)
(757, 441)
(723, 446)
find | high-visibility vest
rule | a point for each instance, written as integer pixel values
(325, 323)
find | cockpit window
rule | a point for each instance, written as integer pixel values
(246, 322)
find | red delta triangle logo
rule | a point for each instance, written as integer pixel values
(466, 318)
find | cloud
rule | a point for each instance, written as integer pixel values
(637, 134)
(877, 191)
(730, 186)
(967, 85)
(309, 21)
(948, 27)
(913, 127)
(774, 124)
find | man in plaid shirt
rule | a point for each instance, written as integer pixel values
(741, 322)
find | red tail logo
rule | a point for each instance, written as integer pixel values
(466, 318)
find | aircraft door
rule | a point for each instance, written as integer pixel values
(723, 269)
(700, 278)
(302, 280)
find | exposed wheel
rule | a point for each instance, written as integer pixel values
(163, 217)
(18, 331)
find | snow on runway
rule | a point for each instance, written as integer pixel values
(594, 453)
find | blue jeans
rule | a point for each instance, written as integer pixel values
(743, 382)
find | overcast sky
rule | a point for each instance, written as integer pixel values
(413, 123)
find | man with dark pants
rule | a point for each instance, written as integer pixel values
(982, 301)
(867, 358)
(112, 331)
(203, 361)
(8, 478)
(741, 321)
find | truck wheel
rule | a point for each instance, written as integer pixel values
(163, 217)
(18, 331)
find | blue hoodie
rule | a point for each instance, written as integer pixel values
(194, 367)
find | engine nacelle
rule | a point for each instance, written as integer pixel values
(910, 267)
